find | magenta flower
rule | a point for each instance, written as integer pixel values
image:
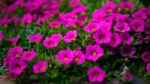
(40, 67)
(50, 43)
(15, 52)
(128, 76)
(91, 27)
(128, 51)
(105, 24)
(29, 55)
(27, 18)
(68, 19)
(96, 74)
(145, 56)
(139, 15)
(102, 36)
(94, 52)
(126, 5)
(13, 39)
(70, 36)
(115, 40)
(79, 57)
(17, 67)
(74, 3)
(137, 25)
(54, 24)
(109, 7)
(1, 36)
(148, 67)
(57, 36)
(126, 38)
(79, 9)
(35, 37)
(122, 27)
(65, 56)
(98, 15)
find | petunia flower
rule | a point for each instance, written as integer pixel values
(139, 15)
(54, 24)
(126, 5)
(35, 37)
(115, 40)
(74, 3)
(29, 55)
(148, 67)
(109, 7)
(147, 29)
(146, 56)
(122, 27)
(79, 57)
(65, 56)
(98, 15)
(128, 76)
(137, 25)
(94, 52)
(50, 43)
(96, 74)
(17, 67)
(126, 38)
(70, 36)
(91, 27)
(102, 36)
(40, 67)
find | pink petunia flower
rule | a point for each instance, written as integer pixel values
(50, 43)
(91, 27)
(115, 40)
(70, 36)
(29, 55)
(27, 18)
(94, 52)
(137, 25)
(126, 38)
(79, 57)
(13, 39)
(65, 56)
(98, 15)
(96, 74)
(54, 24)
(122, 27)
(145, 56)
(128, 76)
(40, 67)
(35, 37)
(74, 3)
(15, 52)
(17, 67)
(109, 7)
(148, 67)
(102, 36)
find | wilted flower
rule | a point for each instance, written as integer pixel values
(94, 52)
(79, 57)
(102, 36)
(128, 51)
(145, 56)
(40, 67)
(70, 36)
(65, 56)
(29, 55)
(96, 74)
(35, 37)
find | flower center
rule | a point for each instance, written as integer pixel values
(102, 36)
(113, 40)
(95, 74)
(92, 28)
(77, 59)
(94, 53)
(17, 67)
(65, 58)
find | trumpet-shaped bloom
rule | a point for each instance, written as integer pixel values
(40, 67)
(29, 55)
(145, 56)
(96, 74)
(94, 52)
(79, 57)
(70, 36)
(65, 56)
(35, 37)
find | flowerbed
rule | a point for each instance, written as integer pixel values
(65, 42)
